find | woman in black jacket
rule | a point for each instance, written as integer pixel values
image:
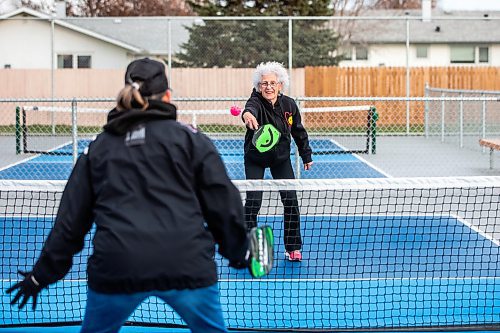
(267, 105)
(149, 183)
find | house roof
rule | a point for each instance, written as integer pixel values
(148, 33)
(468, 27)
(75, 27)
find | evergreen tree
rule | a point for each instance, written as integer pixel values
(246, 43)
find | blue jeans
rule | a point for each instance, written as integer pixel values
(199, 308)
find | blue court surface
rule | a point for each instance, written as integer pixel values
(325, 166)
(357, 272)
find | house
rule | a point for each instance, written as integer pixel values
(100, 43)
(441, 39)
(28, 37)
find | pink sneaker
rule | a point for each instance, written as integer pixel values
(294, 255)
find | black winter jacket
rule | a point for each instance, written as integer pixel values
(285, 116)
(160, 198)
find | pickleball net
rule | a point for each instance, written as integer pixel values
(378, 254)
(67, 130)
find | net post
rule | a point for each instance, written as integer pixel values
(18, 130)
(74, 130)
(372, 130)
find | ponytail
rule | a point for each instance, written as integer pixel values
(129, 94)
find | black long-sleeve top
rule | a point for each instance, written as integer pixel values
(160, 199)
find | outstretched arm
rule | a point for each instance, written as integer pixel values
(249, 115)
(73, 222)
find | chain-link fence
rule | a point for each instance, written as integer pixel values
(461, 123)
(350, 137)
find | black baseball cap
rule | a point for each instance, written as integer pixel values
(151, 73)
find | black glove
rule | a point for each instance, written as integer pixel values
(29, 287)
(241, 264)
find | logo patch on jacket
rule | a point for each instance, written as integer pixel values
(136, 136)
(289, 118)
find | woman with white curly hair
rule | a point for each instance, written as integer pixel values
(272, 119)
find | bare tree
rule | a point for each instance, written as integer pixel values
(360, 7)
(344, 28)
(350, 7)
(38, 5)
(129, 8)
(41, 6)
(400, 4)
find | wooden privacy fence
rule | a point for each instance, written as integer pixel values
(391, 82)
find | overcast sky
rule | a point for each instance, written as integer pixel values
(470, 4)
(8, 5)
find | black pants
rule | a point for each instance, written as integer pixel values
(253, 201)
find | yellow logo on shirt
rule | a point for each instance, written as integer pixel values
(289, 119)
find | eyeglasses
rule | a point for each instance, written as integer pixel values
(271, 84)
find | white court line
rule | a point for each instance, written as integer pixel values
(362, 160)
(467, 278)
(18, 162)
(381, 214)
(33, 157)
(476, 229)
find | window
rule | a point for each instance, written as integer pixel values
(361, 53)
(469, 54)
(347, 53)
(84, 61)
(422, 51)
(484, 54)
(64, 61)
(462, 54)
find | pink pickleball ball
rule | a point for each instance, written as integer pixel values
(235, 110)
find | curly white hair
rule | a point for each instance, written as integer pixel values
(271, 67)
